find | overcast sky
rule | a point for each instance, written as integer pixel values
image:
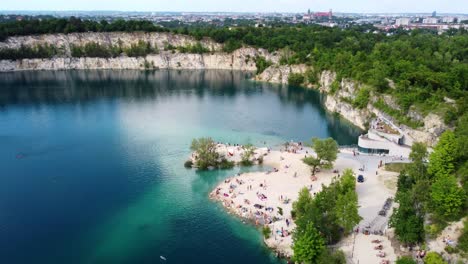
(360, 6)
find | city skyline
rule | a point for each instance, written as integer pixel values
(265, 6)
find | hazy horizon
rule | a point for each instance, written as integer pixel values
(240, 6)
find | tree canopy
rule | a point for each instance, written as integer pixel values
(206, 153)
(326, 151)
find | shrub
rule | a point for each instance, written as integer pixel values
(463, 239)
(226, 164)
(232, 45)
(261, 63)
(327, 257)
(295, 79)
(451, 250)
(434, 258)
(197, 48)
(246, 156)
(39, 51)
(293, 214)
(405, 260)
(280, 211)
(141, 49)
(311, 76)
(334, 87)
(362, 98)
(188, 164)
(266, 232)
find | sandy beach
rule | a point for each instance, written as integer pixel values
(258, 196)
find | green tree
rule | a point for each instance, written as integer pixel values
(447, 198)
(336, 257)
(308, 245)
(442, 160)
(418, 168)
(302, 202)
(246, 156)
(434, 258)
(409, 227)
(205, 149)
(326, 151)
(312, 162)
(346, 210)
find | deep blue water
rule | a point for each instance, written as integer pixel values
(91, 162)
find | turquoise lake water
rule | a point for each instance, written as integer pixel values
(92, 162)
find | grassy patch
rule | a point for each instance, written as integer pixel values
(395, 167)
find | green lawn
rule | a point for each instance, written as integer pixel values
(395, 167)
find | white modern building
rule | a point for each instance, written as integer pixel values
(430, 20)
(404, 21)
(448, 19)
(384, 138)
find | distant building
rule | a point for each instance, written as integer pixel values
(434, 14)
(404, 21)
(328, 14)
(448, 20)
(430, 20)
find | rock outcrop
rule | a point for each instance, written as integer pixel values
(280, 73)
(125, 39)
(428, 134)
(241, 59)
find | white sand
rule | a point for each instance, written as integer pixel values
(284, 184)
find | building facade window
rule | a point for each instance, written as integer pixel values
(373, 151)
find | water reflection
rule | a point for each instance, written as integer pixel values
(84, 86)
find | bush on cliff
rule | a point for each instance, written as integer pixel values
(261, 63)
(37, 52)
(296, 79)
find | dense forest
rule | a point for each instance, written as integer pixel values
(420, 68)
(433, 194)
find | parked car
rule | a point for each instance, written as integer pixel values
(360, 178)
(383, 212)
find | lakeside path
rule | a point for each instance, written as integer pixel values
(257, 196)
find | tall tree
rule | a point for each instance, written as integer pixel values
(205, 149)
(346, 210)
(447, 198)
(308, 245)
(442, 160)
(326, 151)
(409, 227)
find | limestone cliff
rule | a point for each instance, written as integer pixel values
(280, 73)
(238, 60)
(241, 59)
(336, 102)
(125, 39)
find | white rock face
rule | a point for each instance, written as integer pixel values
(280, 73)
(356, 116)
(326, 80)
(429, 134)
(125, 39)
(434, 126)
(241, 59)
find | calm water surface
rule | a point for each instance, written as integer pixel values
(91, 162)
